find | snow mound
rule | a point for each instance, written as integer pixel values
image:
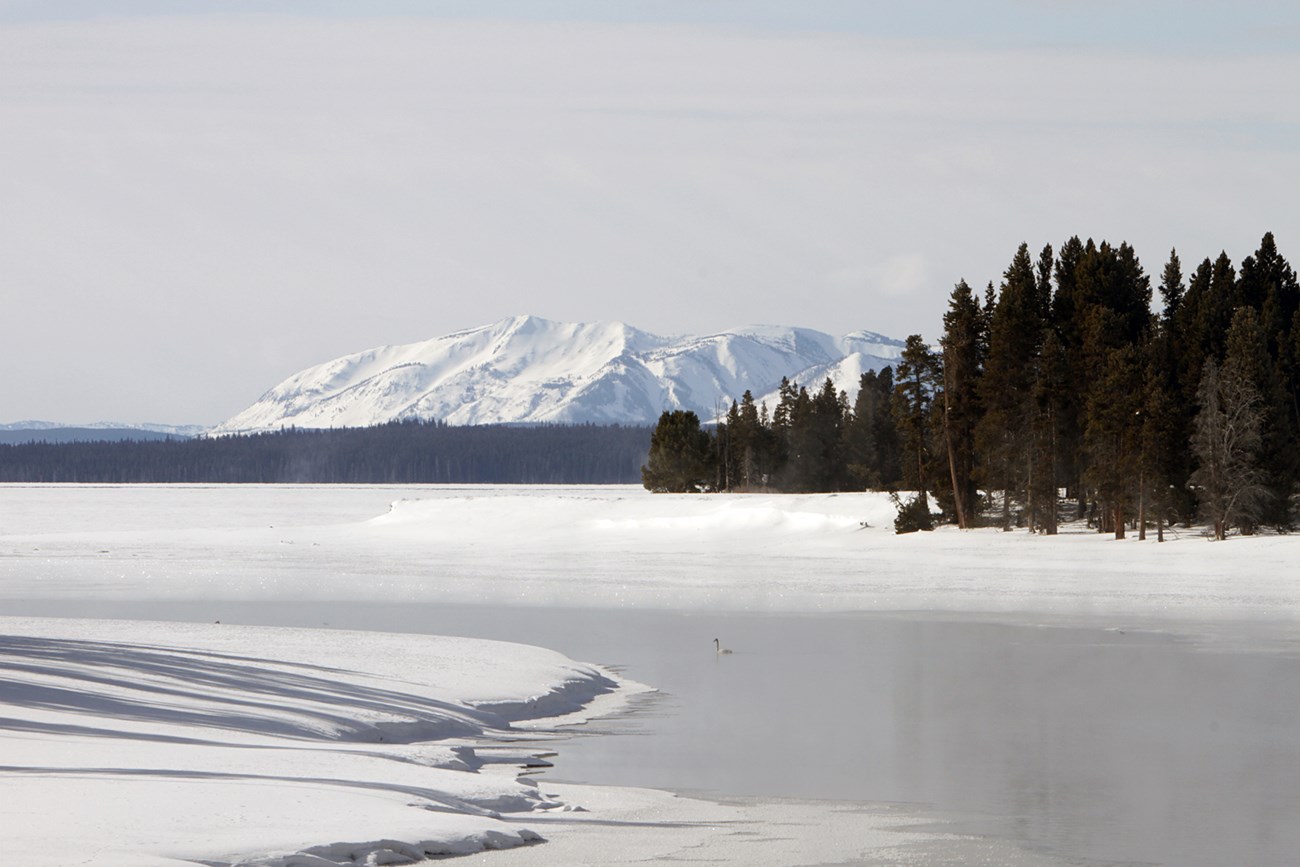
(127, 743)
(635, 517)
(383, 852)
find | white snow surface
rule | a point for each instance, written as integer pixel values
(132, 743)
(529, 370)
(159, 744)
(606, 546)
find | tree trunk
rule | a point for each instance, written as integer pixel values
(1031, 520)
(1142, 507)
(1051, 466)
(957, 503)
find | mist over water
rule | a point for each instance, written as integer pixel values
(1078, 742)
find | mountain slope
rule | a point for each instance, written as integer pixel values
(58, 432)
(529, 370)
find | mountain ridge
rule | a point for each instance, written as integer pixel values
(529, 370)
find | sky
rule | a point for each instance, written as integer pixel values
(201, 197)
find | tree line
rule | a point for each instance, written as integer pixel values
(1060, 393)
(407, 452)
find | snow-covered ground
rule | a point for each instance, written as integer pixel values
(136, 743)
(129, 743)
(616, 546)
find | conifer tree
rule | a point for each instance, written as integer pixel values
(963, 349)
(1043, 282)
(1113, 436)
(681, 454)
(748, 442)
(1172, 288)
(889, 458)
(1170, 403)
(830, 407)
(1192, 331)
(1220, 303)
(1166, 432)
(1268, 279)
(860, 434)
(1052, 386)
(1006, 388)
(782, 426)
(1066, 323)
(870, 442)
(914, 390)
(1247, 356)
(802, 461)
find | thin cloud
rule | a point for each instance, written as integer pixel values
(183, 189)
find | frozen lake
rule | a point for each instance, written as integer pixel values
(1072, 742)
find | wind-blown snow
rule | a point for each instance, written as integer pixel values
(531, 370)
(134, 744)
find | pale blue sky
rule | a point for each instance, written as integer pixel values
(1154, 25)
(202, 198)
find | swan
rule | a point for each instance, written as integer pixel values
(718, 648)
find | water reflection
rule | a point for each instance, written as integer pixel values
(1087, 743)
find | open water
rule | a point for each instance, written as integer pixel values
(1083, 742)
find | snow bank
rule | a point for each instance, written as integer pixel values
(609, 547)
(128, 743)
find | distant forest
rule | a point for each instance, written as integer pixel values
(1059, 394)
(396, 453)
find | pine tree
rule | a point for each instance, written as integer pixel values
(1220, 304)
(1247, 355)
(748, 443)
(1267, 278)
(1043, 283)
(860, 433)
(1066, 323)
(821, 438)
(1192, 331)
(802, 466)
(1113, 436)
(1006, 388)
(681, 454)
(1052, 386)
(889, 457)
(1166, 431)
(1171, 400)
(963, 350)
(918, 376)
(1172, 289)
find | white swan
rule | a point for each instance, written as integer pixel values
(718, 648)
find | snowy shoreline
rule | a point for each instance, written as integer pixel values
(135, 743)
(157, 744)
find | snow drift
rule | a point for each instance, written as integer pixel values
(142, 744)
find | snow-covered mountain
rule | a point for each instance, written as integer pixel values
(529, 370)
(52, 431)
